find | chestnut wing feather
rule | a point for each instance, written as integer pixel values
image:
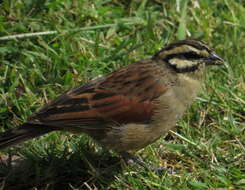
(124, 96)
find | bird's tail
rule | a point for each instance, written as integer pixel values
(22, 133)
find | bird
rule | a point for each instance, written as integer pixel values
(130, 108)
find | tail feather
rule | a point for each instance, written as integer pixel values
(24, 132)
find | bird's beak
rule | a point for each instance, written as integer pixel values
(217, 58)
(214, 59)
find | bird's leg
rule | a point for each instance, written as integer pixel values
(134, 159)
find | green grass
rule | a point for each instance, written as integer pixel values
(208, 149)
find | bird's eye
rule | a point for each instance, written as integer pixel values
(191, 55)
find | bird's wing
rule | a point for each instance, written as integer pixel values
(127, 95)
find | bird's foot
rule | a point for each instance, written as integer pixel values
(133, 160)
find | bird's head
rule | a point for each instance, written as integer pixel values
(188, 57)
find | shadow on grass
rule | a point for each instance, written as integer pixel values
(76, 170)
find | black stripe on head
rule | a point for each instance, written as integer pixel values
(194, 43)
(185, 56)
(184, 70)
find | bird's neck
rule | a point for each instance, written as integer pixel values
(190, 86)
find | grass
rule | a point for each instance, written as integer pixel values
(206, 152)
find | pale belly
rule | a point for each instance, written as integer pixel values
(136, 136)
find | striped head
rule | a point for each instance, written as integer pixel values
(188, 56)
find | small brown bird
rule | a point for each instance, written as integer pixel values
(130, 107)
